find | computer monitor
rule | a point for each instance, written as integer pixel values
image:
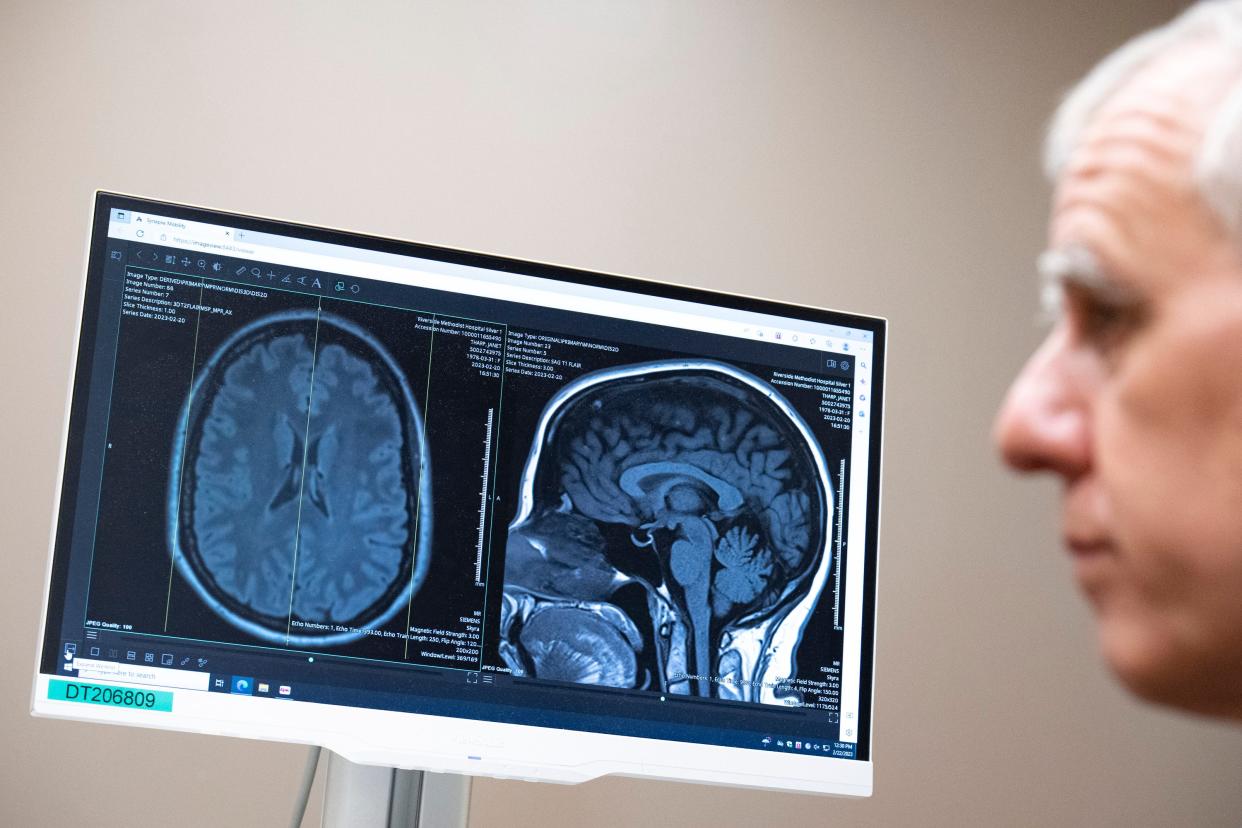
(439, 509)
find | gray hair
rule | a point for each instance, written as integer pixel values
(1218, 166)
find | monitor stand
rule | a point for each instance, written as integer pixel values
(369, 796)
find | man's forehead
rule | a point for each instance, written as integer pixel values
(1186, 83)
(1140, 144)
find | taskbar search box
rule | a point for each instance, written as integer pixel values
(140, 674)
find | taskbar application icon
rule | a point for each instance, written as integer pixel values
(248, 686)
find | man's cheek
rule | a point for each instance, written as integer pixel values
(1144, 485)
(1176, 541)
(1193, 364)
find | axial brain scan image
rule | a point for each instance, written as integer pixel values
(671, 535)
(298, 480)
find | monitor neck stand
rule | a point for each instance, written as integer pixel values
(369, 796)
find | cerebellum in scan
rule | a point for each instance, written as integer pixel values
(672, 535)
(299, 495)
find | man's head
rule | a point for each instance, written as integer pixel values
(1135, 398)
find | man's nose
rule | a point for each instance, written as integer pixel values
(1044, 423)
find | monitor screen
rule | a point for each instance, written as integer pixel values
(438, 509)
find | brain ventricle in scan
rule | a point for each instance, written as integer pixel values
(676, 514)
(298, 481)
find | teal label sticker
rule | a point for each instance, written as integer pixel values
(77, 691)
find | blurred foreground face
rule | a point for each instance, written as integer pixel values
(1135, 399)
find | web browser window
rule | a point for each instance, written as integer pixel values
(434, 508)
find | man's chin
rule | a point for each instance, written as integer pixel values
(1139, 674)
(1154, 668)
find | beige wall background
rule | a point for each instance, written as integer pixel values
(878, 157)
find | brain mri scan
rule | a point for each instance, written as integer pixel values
(299, 502)
(671, 535)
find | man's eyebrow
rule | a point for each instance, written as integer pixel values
(1077, 267)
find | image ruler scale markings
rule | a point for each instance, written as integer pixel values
(483, 497)
(836, 587)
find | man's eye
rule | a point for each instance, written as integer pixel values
(1106, 323)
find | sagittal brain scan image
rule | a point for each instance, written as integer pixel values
(671, 535)
(299, 503)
